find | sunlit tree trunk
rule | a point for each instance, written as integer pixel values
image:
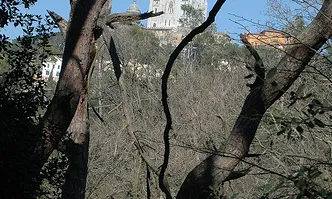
(214, 170)
(68, 108)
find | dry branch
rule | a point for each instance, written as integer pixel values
(215, 169)
(68, 108)
(165, 78)
(258, 66)
(127, 107)
(60, 22)
(121, 17)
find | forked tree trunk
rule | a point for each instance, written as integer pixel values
(69, 104)
(214, 170)
(77, 147)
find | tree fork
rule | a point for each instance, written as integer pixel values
(69, 104)
(216, 168)
(78, 144)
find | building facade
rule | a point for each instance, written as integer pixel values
(172, 12)
(52, 68)
(270, 37)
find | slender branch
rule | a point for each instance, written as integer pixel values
(148, 189)
(259, 66)
(165, 78)
(97, 114)
(120, 17)
(321, 73)
(115, 58)
(118, 73)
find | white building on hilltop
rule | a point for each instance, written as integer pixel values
(172, 12)
(52, 67)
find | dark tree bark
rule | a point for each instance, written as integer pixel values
(214, 170)
(78, 144)
(69, 104)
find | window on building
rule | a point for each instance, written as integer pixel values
(169, 22)
(165, 22)
(48, 65)
(154, 25)
(170, 7)
(57, 74)
(59, 66)
(47, 72)
(155, 10)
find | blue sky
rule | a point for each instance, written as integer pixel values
(249, 9)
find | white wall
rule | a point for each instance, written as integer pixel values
(170, 18)
(52, 64)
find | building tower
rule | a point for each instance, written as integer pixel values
(133, 8)
(172, 12)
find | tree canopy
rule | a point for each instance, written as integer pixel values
(163, 123)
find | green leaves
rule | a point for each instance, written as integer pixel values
(192, 17)
(271, 73)
(312, 118)
(300, 89)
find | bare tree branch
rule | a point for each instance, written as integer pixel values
(165, 78)
(215, 169)
(108, 39)
(60, 22)
(114, 56)
(258, 66)
(120, 17)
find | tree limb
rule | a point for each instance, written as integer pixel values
(165, 78)
(258, 66)
(114, 56)
(215, 169)
(127, 107)
(68, 108)
(120, 17)
(60, 22)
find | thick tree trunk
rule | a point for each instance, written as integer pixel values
(69, 104)
(214, 170)
(78, 144)
(77, 150)
(77, 147)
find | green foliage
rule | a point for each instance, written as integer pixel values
(192, 17)
(147, 40)
(22, 96)
(10, 12)
(52, 176)
(23, 86)
(306, 185)
(57, 43)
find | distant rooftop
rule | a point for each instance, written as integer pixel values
(133, 8)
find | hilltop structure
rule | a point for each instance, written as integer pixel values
(51, 68)
(167, 26)
(133, 8)
(269, 37)
(172, 12)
